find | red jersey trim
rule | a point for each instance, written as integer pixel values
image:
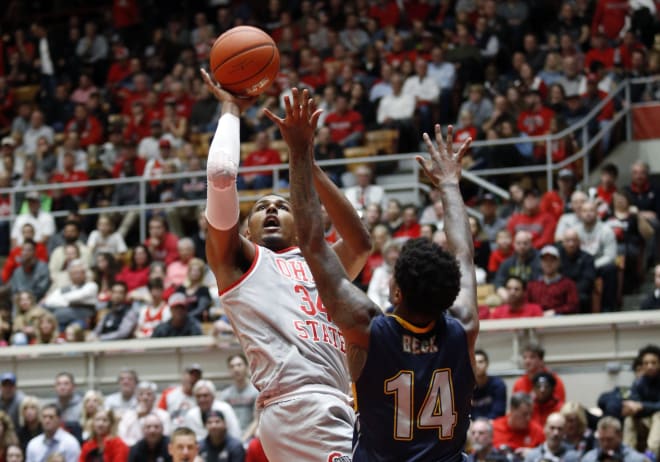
(246, 274)
(288, 249)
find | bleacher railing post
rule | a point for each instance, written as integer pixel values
(548, 160)
(628, 110)
(143, 215)
(585, 157)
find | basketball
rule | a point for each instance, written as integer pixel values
(245, 60)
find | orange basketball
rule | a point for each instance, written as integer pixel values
(245, 60)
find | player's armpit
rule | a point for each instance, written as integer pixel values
(356, 356)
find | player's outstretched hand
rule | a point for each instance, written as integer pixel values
(299, 122)
(444, 167)
(223, 95)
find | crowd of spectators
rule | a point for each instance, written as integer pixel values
(537, 423)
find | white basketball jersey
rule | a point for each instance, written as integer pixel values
(283, 328)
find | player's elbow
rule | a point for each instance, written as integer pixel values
(221, 174)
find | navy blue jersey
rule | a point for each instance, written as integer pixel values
(413, 395)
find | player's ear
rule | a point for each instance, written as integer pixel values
(395, 293)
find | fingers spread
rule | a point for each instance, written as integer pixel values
(288, 111)
(272, 116)
(450, 140)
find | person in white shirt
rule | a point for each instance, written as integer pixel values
(36, 130)
(104, 239)
(396, 110)
(126, 398)
(241, 395)
(71, 235)
(130, 428)
(53, 440)
(195, 418)
(148, 148)
(379, 286)
(364, 193)
(76, 302)
(42, 222)
(426, 92)
(382, 87)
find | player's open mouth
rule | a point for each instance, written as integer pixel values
(271, 223)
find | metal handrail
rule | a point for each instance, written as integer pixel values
(474, 176)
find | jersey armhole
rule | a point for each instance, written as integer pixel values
(246, 274)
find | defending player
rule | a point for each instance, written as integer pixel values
(413, 371)
(296, 353)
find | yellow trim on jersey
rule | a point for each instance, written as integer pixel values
(412, 328)
(355, 400)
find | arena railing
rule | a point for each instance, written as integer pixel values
(411, 183)
(591, 352)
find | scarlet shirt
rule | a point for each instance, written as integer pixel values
(605, 56)
(343, 125)
(387, 14)
(529, 310)
(464, 133)
(496, 258)
(561, 295)
(535, 123)
(524, 384)
(114, 450)
(167, 250)
(14, 259)
(609, 17)
(262, 157)
(413, 231)
(541, 226)
(552, 203)
(90, 130)
(71, 177)
(541, 411)
(503, 435)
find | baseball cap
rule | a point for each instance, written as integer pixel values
(216, 413)
(177, 299)
(566, 173)
(487, 197)
(32, 196)
(8, 377)
(194, 367)
(8, 141)
(550, 250)
(164, 143)
(544, 378)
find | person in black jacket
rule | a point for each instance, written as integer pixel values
(153, 447)
(181, 324)
(643, 407)
(489, 398)
(578, 265)
(120, 321)
(652, 302)
(218, 445)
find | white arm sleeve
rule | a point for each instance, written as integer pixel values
(222, 208)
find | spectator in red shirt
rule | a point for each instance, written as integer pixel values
(139, 93)
(533, 363)
(70, 175)
(535, 119)
(545, 403)
(346, 126)
(13, 260)
(539, 224)
(609, 18)
(557, 202)
(599, 52)
(386, 12)
(138, 126)
(87, 127)
(502, 251)
(128, 154)
(516, 430)
(516, 306)
(262, 155)
(161, 243)
(556, 293)
(609, 173)
(409, 228)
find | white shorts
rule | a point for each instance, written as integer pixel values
(308, 427)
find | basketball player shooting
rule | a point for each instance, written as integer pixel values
(413, 370)
(296, 353)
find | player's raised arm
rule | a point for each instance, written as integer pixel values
(355, 244)
(229, 254)
(444, 171)
(350, 309)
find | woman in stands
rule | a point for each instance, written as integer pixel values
(578, 435)
(7, 434)
(92, 402)
(137, 273)
(14, 453)
(196, 292)
(105, 272)
(47, 330)
(28, 419)
(103, 444)
(24, 326)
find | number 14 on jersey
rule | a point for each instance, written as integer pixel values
(437, 411)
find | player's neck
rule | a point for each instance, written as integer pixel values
(416, 319)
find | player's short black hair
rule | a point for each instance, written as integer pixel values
(428, 276)
(251, 211)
